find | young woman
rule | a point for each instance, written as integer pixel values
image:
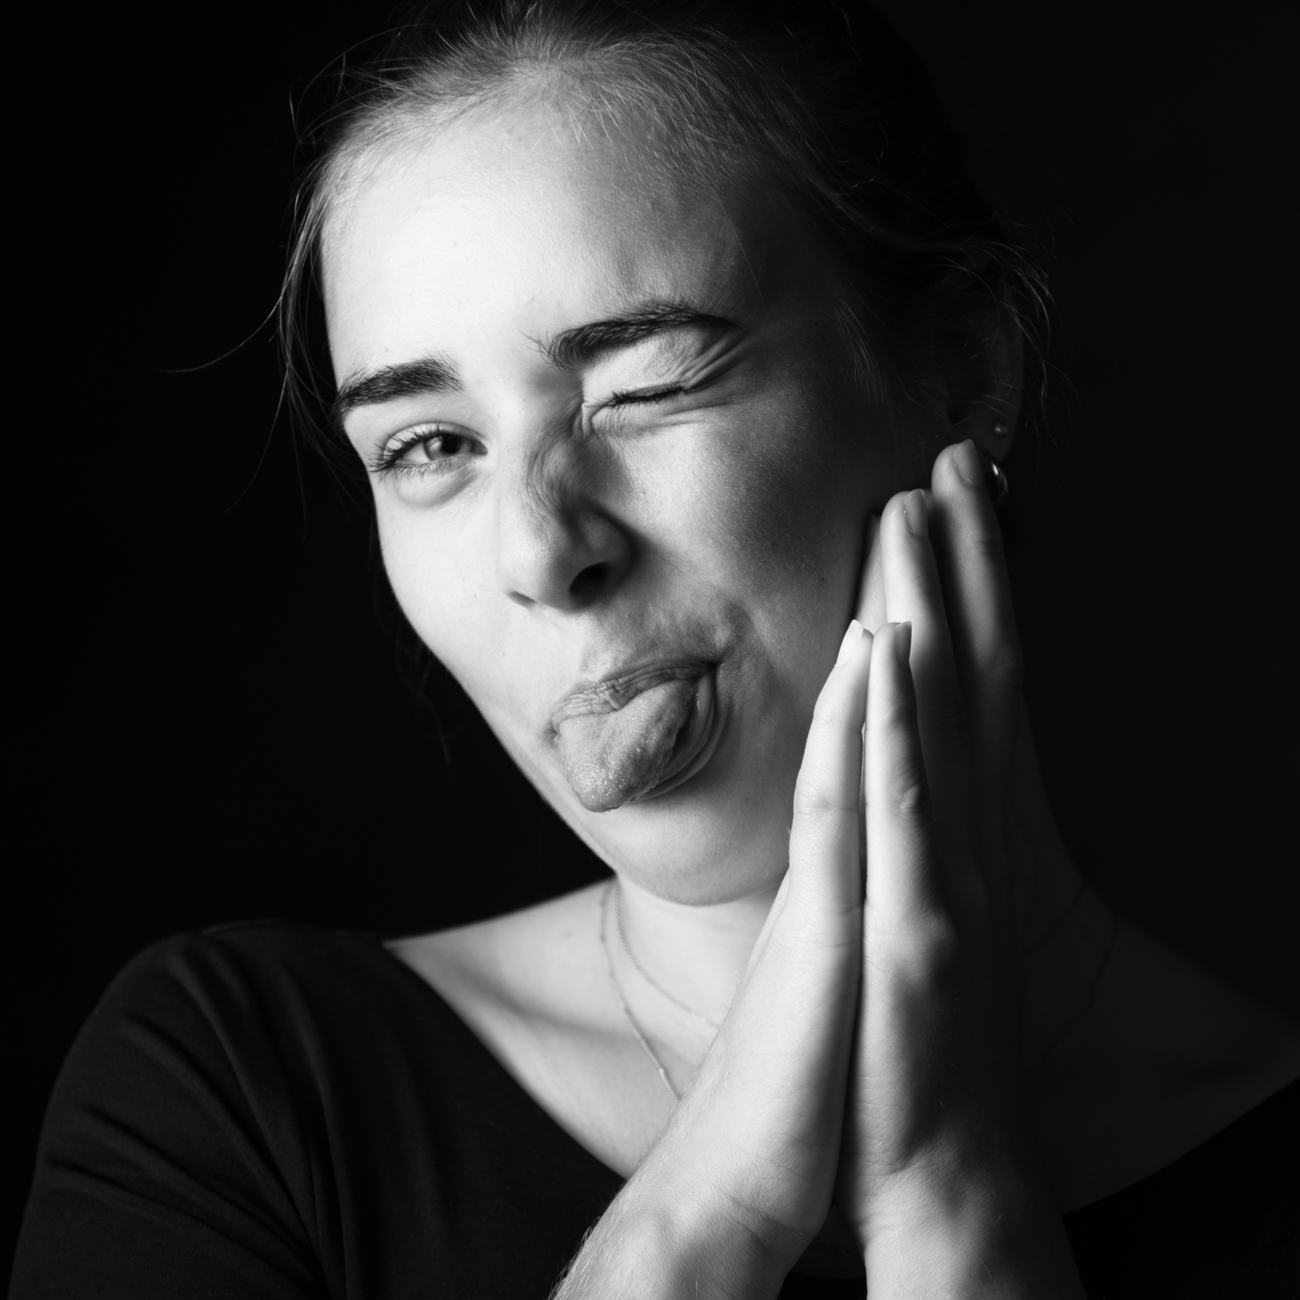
(675, 343)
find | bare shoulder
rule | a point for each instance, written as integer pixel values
(534, 988)
(1166, 1056)
(530, 964)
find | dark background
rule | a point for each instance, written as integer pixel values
(211, 721)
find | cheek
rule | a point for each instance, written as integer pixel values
(755, 517)
(432, 577)
(769, 503)
(441, 567)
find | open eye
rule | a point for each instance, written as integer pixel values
(425, 449)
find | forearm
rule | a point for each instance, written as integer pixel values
(659, 1243)
(970, 1239)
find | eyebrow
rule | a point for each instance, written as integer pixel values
(406, 379)
(567, 350)
(583, 344)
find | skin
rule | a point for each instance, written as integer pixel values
(548, 534)
(727, 523)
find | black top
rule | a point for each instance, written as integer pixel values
(277, 1111)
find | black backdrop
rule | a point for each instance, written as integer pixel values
(209, 719)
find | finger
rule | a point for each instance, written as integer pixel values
(913, 594)
(871, 586)
(905, 889)
(977, 589)
(825, 868)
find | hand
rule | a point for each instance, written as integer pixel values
(1046, 889)
(742, 1177)
(1062, 931)
(941, 1180)
(1132, 1054)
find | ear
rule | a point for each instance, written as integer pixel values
(981, 365)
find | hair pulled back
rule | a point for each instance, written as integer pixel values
(817, 101)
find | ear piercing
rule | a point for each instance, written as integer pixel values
(1002, 431)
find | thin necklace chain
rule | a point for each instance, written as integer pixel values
(641, 970)
(622, 1002)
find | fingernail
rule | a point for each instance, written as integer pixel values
(903, 643)
(916, 513)
(851, 638)
(967, 461)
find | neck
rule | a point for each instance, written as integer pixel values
(697, 952)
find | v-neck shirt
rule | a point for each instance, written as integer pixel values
(276, 1111)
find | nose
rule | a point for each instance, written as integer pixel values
(557, 544)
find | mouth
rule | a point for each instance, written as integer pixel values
(639, 735)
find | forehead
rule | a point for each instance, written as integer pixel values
(524, 220)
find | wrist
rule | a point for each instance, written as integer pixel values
(969, 1237)
(657, 1243)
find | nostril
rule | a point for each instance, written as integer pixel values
(589, 582)
(557, 556)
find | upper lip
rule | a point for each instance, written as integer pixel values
(613, 692)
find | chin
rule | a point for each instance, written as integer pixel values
(721, 836)
(717, 829)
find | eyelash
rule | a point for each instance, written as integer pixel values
(388, 459)
(634, 399)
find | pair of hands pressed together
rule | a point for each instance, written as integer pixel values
(872, 1058)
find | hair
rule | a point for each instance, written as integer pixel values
(815, 102)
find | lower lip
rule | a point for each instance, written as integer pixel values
(699, 743)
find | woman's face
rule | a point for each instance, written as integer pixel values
(622, 477)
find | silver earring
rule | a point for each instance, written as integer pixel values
(995, 480)
(1001, 430)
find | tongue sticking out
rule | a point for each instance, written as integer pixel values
(612, 757)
